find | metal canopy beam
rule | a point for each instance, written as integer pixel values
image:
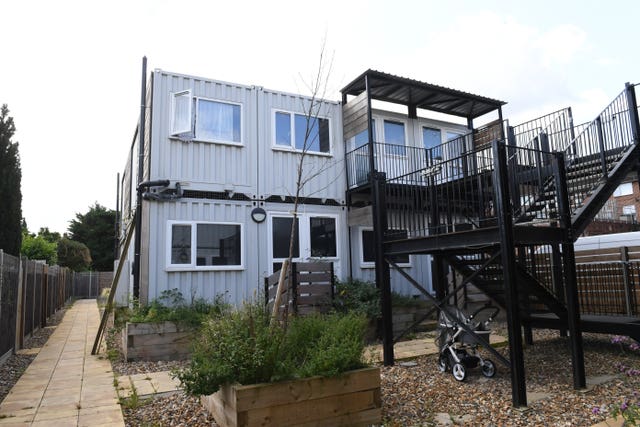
(408, 91)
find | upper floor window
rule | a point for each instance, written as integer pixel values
(623, 190)
(432, 140)
(362, 138)
(394, 138)
(214, 121)
(302, 133)
(203, 245)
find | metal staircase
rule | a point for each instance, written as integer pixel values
(596, 161)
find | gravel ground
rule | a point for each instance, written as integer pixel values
(15, 365)
(420, 395)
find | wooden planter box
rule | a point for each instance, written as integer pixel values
(352, 399)
(156, 341)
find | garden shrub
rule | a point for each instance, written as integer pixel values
(243, 348)
(357, 296)
(171, 306)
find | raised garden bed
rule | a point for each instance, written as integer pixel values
(351, 399)
(156, 341)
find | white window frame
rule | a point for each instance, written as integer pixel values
(382, 137)
(193, 119)
(304, 238)
(194, 241)
(174, 96)
(218, 141)
(292, 142)
(369, 264)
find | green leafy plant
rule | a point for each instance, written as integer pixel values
(357, 296)
(171, 306)
(242, 347)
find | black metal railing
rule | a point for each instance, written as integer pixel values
(547, 132)
(593, 154)
(454, 194)
(532, 185)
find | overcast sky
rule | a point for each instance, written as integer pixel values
(70, 70)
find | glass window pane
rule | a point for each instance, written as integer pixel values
(368, 246)
(281, 236)
(283, 129)
(394, 138)
(218, 244)
(322, 233)
(218, 121)
(623, 190)
(318, 134)
(181, 113)
(361, 139)
(432, 139)
(180, 244)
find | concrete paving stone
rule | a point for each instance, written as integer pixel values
(50, 392)
(12, 406)
(63, 422)
(16, 421)
(55, 413)
(71, 401)
(100, 416)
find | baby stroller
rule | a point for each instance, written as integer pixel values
(459, 349)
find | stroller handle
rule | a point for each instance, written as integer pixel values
(486, 307)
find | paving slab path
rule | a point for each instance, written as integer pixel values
(65, 385)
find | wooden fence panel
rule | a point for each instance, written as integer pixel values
(9, 283)
(311, 290)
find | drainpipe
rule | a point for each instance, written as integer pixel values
(138, 224)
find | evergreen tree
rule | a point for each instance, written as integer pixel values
(74, 255)
(10, 195)
(96, 230)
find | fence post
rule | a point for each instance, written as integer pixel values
(294, 287)
(43, 299)
(1, 280)
(18, 340)
(628, 287)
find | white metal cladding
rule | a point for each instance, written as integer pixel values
(206, 166)
(420, 269)
(238, 285)
(277, 174)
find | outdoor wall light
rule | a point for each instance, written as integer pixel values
(258, 215)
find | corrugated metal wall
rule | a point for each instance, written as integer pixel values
(205, 166)
(420, 269)
(238, 285)
(253, 168)
(278, 168)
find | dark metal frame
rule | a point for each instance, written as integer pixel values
(530, 184)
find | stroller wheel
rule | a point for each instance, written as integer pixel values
(443, 363)
(459, 371)
(488, 368)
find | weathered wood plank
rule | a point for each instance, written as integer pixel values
(264, 395)
(306, 411)
(314, 277)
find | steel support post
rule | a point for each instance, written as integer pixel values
(505, 224)
(569, 264)
(383, 278)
